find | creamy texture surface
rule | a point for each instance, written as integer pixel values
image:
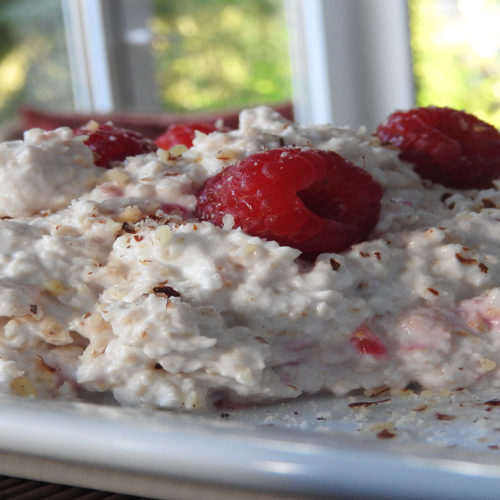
(109, 283)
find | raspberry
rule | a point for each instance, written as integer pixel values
(312, 200)
(182, 134)
(110, 144)
(447, 146)
(366, 341)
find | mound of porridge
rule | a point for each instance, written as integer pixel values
(110, 283)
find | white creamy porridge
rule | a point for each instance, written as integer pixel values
(108, 282)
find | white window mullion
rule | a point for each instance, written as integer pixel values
(110, 55)
(89, 57)
(351, 60)
(310, 79)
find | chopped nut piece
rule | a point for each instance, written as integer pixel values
(359, 404)
(55, 287)
(334, 264)
(130, 214)
(483, 267)
(487, 203)
(492, 402)
(23, 386)
(464, 260)
(386, 434)
(486, 364)
(117, 175)
(167, 291)
(443, 416)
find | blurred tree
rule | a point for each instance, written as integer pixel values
(209, 54)
(217, 54)
(456, 51)
(34, 67)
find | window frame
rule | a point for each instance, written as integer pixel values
(111, 61)
(350, 59)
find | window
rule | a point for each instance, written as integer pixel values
(341, 61)
(352, 61)
(456, 49)
(34, 64)
(148, 56)
(220, 54)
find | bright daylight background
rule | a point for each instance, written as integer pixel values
(243, 59)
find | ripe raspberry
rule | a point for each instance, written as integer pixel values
(312, 200)
(366, 341)
(110, 143)
(182, 134)
(447, 146)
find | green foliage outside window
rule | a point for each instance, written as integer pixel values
(456, 52)
(209, 54)
(215, 54)
(218, 54)
(34, 66)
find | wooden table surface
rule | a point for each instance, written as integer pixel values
(12, 488)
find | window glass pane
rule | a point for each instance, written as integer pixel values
(456, 50)
(34, 67)
(216, 54)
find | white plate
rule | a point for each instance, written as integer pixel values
(410, 447)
